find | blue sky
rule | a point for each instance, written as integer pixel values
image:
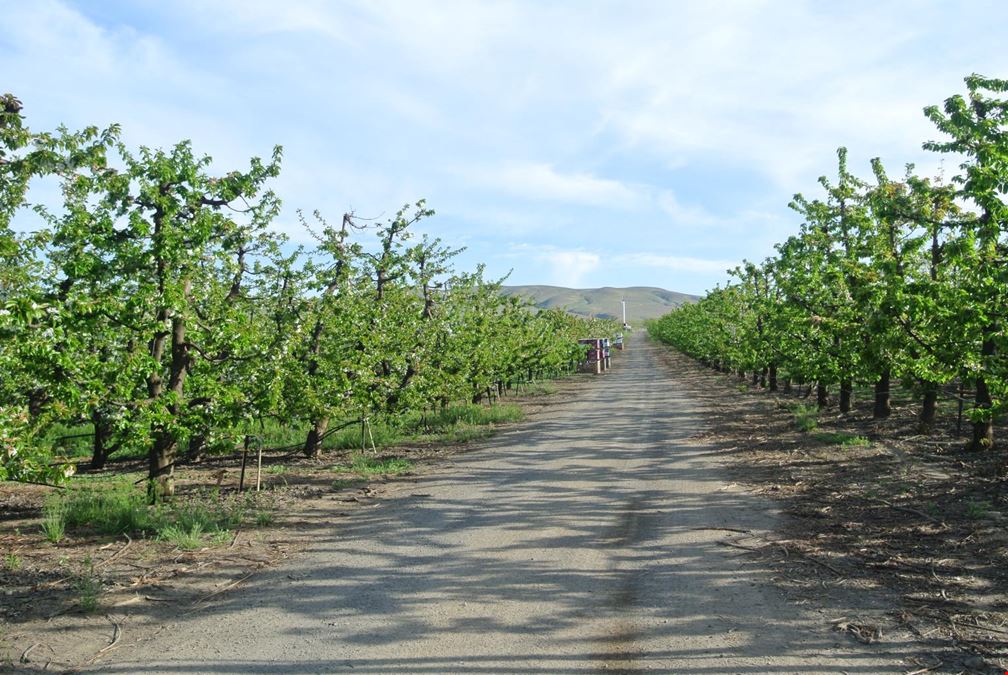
(573, 143)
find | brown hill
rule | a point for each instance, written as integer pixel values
(642, 302)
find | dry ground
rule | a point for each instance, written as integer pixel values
(909, 517)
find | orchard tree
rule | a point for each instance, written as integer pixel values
(143, 242)
(977, 128)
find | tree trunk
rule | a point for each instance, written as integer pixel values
(846, 392)
(100, 448)
(772, 377)
(161, 467)
(755, 377)
(929, 408)
(197, 446)
(983, 429)
(883, 405)
(822, 395)
(313, 444)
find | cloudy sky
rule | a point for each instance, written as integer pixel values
(575, 143)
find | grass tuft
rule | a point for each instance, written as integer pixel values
(54, 519)
(842, 438)
(122, 509)
(185, 538)
(88, 586)
(367, 465)
(806, 417)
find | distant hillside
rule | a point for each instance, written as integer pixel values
(642, 302)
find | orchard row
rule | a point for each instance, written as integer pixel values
(156, 308)
(897, 277)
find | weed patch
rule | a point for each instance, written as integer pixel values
(806, 417)
(121, 509)
(88, 586)
(54, 518)
(366, 465)
(185, 538)
(538, 389)
(842, 438)
(976, 510)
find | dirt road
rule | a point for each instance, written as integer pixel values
(589, 539)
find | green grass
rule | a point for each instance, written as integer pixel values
(119, 508)
(538, 388)
(976, 510)
(367, 465)
(842, 438)
(461, 423)
(185, 538)
(806, 417)
(54, 519)
(473, 415)
(381, 432)
(463, 434)
(440, 425)
(111, 509)
(68, 440)
(12, 563)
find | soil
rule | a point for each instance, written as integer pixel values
(910, 526)
(908, 516)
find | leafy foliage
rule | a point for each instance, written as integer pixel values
(893, 279)
(157, 310)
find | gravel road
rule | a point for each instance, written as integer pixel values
(586, 539)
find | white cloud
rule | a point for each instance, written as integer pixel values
(540, 181)
(676, 263)
(681, 213)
